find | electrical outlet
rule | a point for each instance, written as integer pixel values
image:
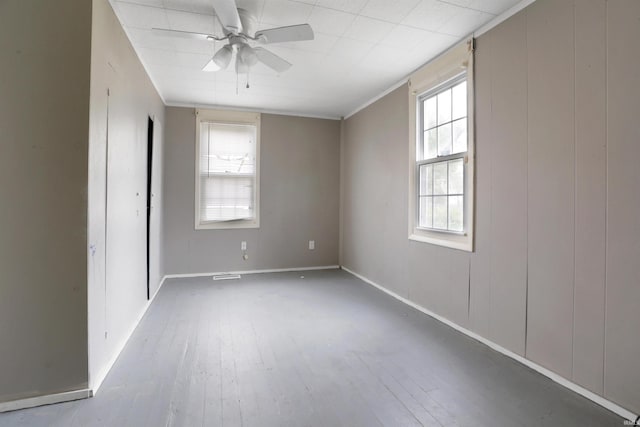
(243, 246)
(312, 245)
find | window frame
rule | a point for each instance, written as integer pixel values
(446, 71)
(420, 140)
(228, 118)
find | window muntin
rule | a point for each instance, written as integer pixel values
(227, 169)
(440, 157)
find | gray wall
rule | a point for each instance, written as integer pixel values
(117, 190)
(299, 196)
(554, 275)
(44, 112)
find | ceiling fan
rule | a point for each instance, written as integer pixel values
(237, 25)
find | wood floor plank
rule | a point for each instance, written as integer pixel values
(323, 350)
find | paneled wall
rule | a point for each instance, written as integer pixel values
(122, 100)
(299, 197)
(553, 276)
(622, 289)
(45, 56)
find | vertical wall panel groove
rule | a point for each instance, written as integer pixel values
(588, 337)
(622, 321)
(575, 198)
(606, 189)
(480, 292)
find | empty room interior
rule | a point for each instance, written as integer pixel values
(319, 212)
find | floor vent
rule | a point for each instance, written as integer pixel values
(226, 276)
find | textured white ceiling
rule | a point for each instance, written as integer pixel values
(361, 48)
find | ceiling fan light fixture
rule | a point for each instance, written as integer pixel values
(223, 57)
(241, 66)
(211, 66)
(220, 60)
(247, 55)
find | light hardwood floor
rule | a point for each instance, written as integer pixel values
(323, 350)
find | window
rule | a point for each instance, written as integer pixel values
(441, 160)
(227, 165)
(442, 149)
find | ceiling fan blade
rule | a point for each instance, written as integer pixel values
(227, 13)
(291, 33)
(271, 60)
(182, 34)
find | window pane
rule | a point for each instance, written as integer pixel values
(440, 212)
(459, 93)
(444, 140)
(444, 106)
(228, 148)
(426, 180)
(205, 145)
(432, 144)
(430, 113)
(426, 212)
(226, 197)
(227, 171)
(459, 136)
(456, 208)
(456, 177)
(440, 178)
(445, 133)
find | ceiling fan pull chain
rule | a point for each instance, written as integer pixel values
(248, 78)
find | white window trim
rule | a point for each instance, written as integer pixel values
(454, 62)
(226, 117)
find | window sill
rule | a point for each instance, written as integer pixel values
(227, 225)
(460, 242)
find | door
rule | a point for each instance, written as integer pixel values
(149, 195)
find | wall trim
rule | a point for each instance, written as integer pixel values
(251, 110)
(94, 384)
(46, 399)
(607, 404)
(381, 95)
(272, 270)
(486, 27)
(502, 17)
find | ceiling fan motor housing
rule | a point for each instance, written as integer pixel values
(248, 23)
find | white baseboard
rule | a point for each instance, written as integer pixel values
(613, 407)
(46, 399)
(272, 270)
(95, 384)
